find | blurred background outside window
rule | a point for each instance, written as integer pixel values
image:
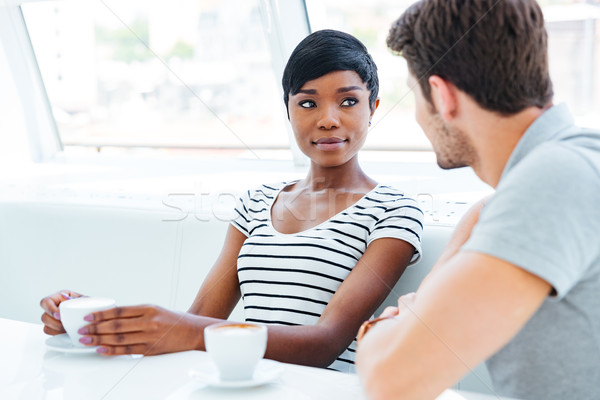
(158, 73)
(198, 74)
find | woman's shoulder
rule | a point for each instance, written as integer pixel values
(266, 191)
(386, 200)
(389, 195)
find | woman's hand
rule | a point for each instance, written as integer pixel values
(51, 315)
(143, 329)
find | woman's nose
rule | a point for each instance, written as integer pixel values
(329, 118)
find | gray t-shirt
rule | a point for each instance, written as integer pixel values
(545, 218)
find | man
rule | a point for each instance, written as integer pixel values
(519, 283)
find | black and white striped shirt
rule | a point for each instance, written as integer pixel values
(288, 279)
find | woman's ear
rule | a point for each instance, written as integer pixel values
(443, 96)
(374, 107)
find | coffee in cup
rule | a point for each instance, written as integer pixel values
(72, 312)
(236, 348)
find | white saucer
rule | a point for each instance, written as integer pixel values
(63, 344)
(266, 371)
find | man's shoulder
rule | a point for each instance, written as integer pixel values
(585, 145)
(574, 155)
(553, 175)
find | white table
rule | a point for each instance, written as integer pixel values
(29, 371)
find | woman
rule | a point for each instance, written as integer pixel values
(311, 258)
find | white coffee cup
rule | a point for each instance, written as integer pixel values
(236, 348)
(72, 312)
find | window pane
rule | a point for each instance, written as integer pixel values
(13, 133)
(175, 73)
(574, 54)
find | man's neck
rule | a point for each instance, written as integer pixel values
(495, 137)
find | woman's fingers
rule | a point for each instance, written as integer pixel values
(52, 324)
(50, 303)
(50, 306)
(115, 326)
(51, 315)
(120, 339)
(134, 330)
(128, 343)
(53, 332)
(119, 312)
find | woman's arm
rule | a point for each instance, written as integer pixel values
(220, 290)
(459, 237)
(356, 300)
(153, 330)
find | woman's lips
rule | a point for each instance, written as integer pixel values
(329, 144)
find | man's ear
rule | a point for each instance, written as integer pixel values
(443, 95)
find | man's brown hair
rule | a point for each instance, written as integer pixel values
(494, 50)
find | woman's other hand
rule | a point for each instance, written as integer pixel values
(51, 315)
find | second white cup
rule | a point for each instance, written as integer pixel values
(72, 312)
(236, 348)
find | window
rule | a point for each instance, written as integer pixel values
(202, 73)
(157, 73)
(574, 53)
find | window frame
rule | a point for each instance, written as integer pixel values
(42, 131)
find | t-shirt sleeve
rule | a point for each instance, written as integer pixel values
(401, 220)
(241, 217)
(544, 217)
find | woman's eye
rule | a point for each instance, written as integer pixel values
(307, 104)
(349, 102)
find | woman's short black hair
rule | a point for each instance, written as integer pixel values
(326, 51)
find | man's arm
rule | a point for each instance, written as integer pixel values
(467, 310)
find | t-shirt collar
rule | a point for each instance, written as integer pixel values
(544, 128)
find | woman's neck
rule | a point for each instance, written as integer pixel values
(348, 177)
